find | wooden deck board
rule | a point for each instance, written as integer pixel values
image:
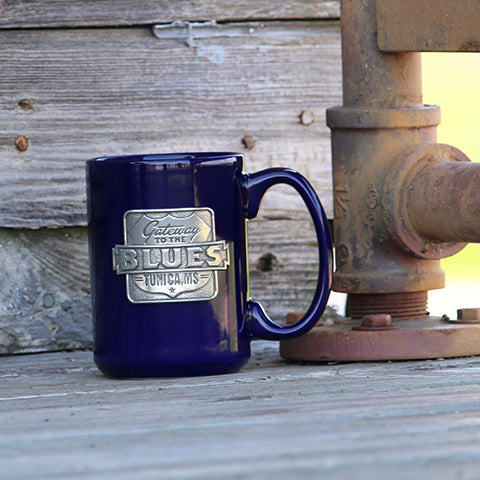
(60, 418)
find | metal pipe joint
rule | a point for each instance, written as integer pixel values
(401, 203)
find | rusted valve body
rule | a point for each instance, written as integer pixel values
(402, 202)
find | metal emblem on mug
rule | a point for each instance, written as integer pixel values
(170, 255)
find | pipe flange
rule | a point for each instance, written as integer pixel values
(348, 117)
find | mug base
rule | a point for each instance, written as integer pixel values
(120, 371)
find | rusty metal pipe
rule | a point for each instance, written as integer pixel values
(401, 203)
(370, 256)
(380, 136)
(372, 78)
(442, 201)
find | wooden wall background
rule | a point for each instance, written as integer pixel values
(86, 78)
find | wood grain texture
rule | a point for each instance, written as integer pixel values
(44, 290)
(45, 287)
(67, 13)
(288, 282)
(81, 93)
(61, 418)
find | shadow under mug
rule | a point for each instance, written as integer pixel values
(168, 262)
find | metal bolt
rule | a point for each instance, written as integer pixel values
(379, 321)
(468, 315)
(22, 143)
(248, 141)
(307, 117)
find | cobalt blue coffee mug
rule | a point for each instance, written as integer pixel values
(168, 262)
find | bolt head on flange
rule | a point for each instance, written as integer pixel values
(379, 321)
(467, 315)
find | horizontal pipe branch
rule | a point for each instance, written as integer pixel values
(443, 201)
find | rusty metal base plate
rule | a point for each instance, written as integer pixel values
(420, 338)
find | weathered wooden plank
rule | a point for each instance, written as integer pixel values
(61, 419)
(44, 291)
(61, 13)
(81, 93)
(283, 257)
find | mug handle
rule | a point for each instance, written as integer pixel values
(256, 185)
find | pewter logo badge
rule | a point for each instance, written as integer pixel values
(170, 255)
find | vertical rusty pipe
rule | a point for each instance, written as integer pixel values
(381, 118)
(372, 78)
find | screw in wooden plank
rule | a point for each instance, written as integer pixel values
(22, 143)
(248, 141)
(307, 117)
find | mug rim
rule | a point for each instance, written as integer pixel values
(151, 158)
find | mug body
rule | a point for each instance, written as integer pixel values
(168, 248)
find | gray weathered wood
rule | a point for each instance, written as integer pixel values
(81, 93)
(288, 284)
(60, 418)
(61, 13)
(44, 289)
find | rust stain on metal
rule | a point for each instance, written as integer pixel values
(402, 202)
(379, 321)
(425, 338)
(468, 315)
(400, 305)
(428, 25)
(470, 46)
(440, 200)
